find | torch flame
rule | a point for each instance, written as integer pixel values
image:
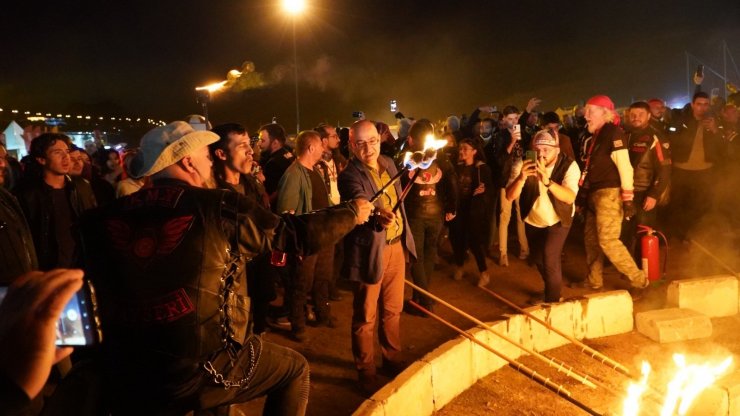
(686, 385)
(690, 380)
(212, 87)
(431, 143)
(634, 391)
(406, 158)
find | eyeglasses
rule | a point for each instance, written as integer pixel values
(366, 144)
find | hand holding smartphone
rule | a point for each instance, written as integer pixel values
(79, 324)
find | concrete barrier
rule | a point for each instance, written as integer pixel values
(713, 295)
(431, 382)
(673, 324)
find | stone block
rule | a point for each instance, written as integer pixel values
(486, 362)
(370, 407)
(712, 295)
(410, 393)
(452, 370)
(731, 384)
(710, 402)
(673, 324)
(607, 313)
(561, 316)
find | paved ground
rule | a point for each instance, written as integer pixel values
(333, 390)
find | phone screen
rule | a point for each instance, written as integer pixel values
(76, 325)
(531, 155)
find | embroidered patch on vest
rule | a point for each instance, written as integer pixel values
(166, 308)
(161, 196)
(144, 242)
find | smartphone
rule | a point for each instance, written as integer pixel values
(394, 106)
(700, 70)
(531, 155)
(79, 324)
(517, 128)
(358, 114)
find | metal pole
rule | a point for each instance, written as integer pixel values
(688, 76)
(406, 190)
(521, 368)
(713, 257)
(560, 366)
(584, 348)
(724, 60)
(393, 180)
(295, 73)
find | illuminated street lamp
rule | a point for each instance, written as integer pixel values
(295, 8)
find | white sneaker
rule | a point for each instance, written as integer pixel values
(484, 279)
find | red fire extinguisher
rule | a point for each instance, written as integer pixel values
(650, 246)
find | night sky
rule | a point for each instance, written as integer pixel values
(435, 57)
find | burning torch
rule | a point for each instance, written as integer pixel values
(417, 161)
(203, 94)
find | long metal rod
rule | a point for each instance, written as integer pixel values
(584, 348)
(715, 258)
(521, 368)
(406, 190)
(552, 362)
(393, 180)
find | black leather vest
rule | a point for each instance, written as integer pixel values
(531, 192)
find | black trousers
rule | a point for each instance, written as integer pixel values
(545, 250)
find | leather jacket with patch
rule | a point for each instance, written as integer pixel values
(167, 264)
(650, 155)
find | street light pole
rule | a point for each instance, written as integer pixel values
(295, 73)
(294, 8)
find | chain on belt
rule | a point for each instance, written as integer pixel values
(255, 348)
(227, 282)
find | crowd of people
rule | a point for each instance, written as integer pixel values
(201, 239)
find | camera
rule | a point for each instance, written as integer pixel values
(79, 324)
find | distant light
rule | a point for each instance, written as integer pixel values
(100, 118)
(59, 115)
(48, 115)
(79, 116)
(38, 114)
(294, 7)
(87, 117)
(14, 111)
(26, 112)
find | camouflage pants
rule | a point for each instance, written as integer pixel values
(603, 226)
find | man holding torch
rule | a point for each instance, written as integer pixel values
(375, 255)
